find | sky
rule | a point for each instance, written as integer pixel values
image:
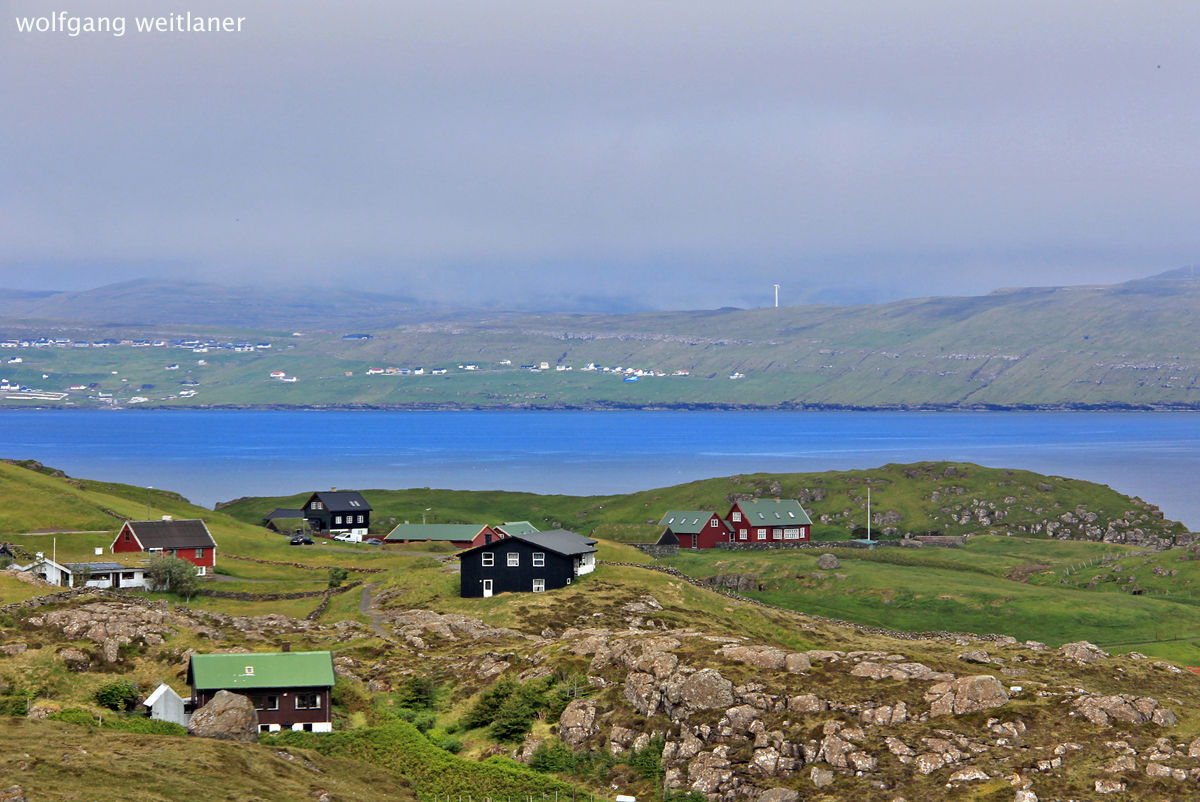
(608, 156)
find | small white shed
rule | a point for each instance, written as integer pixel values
(166, 705)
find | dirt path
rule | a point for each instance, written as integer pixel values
(366, 606)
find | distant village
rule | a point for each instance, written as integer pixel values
(22, 391)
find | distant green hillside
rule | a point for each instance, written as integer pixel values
(1125, 345)
(949, 498)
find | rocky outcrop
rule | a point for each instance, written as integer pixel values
(227, 717)
(966, 695)
(1134, 709)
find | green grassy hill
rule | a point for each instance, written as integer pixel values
(1125, 345)
(918, 498)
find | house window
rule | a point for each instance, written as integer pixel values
(762, 534)
(249, 671)
(360, 519)
(713, 523)
(741, 534)
(737, 516)
(316, 505)
(337, 519)
(127, 537)
(308, 701)
(199, 554)
(489, 559)
(539, 559)
(791, 515)
(791, 534)
(265, 702)
(514, 559)
(539, 585)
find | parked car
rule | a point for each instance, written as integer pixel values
(373, 541)
(301, 540)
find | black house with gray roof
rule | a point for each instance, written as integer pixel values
(338, 511)
(526, 563)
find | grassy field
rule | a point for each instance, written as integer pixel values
(1004, 585)
(55, 761)
(1130, 344)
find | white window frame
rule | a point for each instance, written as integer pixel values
(489, 559)
(514, 559)
(791, 534)
(539, 559)
(737, 516)
(539, 586)
(713, 523)
(742, 534)
(337, 520)
(761, 534)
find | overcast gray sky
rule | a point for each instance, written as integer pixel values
(608, 154)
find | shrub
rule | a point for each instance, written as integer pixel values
(419, 693)
(337, 576)
(173, 574)
(119, 695)
(74, 715)
(647, 761)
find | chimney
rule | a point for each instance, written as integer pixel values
(287, 647)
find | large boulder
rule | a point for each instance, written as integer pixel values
(227, 717)
(642, 692)
(577, 722)
(827, 562)
(966, 695)
(704, 690)
(1083, 652)
(767, 657)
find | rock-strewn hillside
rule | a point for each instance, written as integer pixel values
(851, 713)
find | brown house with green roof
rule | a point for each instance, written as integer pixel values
(290, 690)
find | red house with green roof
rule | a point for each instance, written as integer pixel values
(290, 690)
(769, 521)
(693, 529)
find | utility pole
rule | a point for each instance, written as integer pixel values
(868, 514)
(776, 296)
(148, 489)
(427, 509)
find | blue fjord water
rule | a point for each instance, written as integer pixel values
(216, 455)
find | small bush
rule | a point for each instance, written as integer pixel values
(337, 576)
(419, 693)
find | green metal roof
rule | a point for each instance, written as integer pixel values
(260, 670)
(774, 512)
(438, 532)
(517, 528)
(685, 522)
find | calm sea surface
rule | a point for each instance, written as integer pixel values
(212, 456)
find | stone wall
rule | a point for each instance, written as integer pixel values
(128, 596)
(834, 544)
(656, 551)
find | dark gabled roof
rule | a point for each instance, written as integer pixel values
(559, 541)
(280, 512)
(774, 512)
(668, 539)
(186, 534)
(686, 522)
(342, 501)
(233, 672)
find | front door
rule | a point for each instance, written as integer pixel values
(487, 588)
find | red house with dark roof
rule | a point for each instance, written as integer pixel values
(186, 539)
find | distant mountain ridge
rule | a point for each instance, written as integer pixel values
(1128, 345)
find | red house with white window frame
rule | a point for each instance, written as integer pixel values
(186, 539)
(769, 521)
(693, 529)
